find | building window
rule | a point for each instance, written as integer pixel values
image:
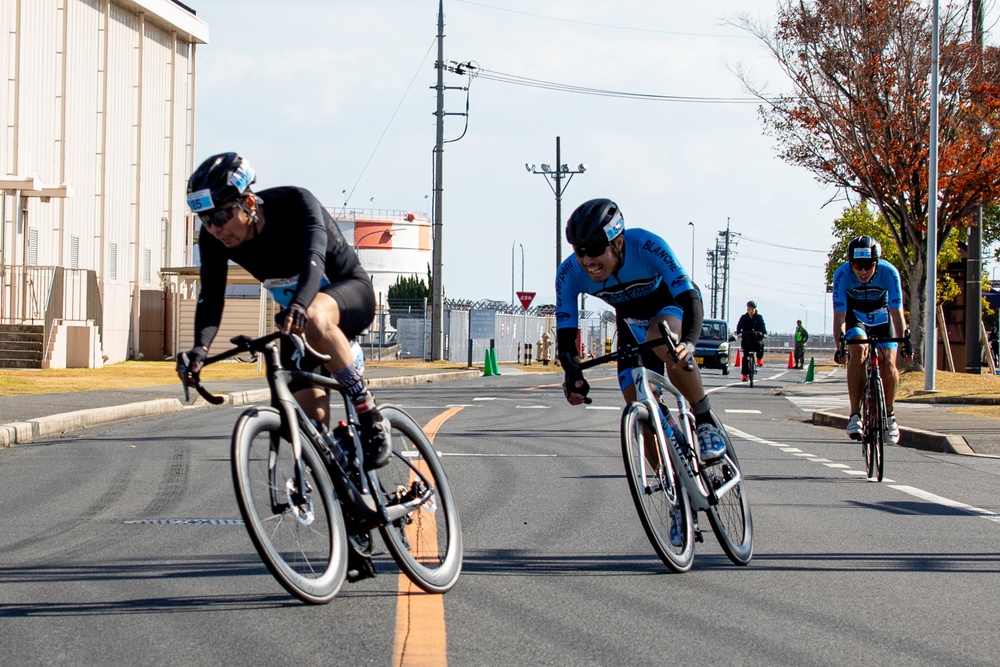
(113, 262)
(147, 265)
(74, 252)
(33, 247)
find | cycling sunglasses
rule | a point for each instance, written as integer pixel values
(219, 216)
(592, 250)
(862, 265)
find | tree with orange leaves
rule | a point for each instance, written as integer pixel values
(858, 116)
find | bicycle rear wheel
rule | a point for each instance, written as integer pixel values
(302, 542)
(657, 496)
(731, 520)
(427, 542)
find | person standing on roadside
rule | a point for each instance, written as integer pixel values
(801, 336)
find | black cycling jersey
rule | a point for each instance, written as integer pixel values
(299, 238)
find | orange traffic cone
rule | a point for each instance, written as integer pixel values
(739, 357)
(791, 359)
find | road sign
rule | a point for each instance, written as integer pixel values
(525, 298)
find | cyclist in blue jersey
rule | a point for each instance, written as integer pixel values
(636, 273)
(286, 239)
(868, 299)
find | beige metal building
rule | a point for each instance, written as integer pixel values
(98, 107)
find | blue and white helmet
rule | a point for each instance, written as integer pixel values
(864, 249)
(219, 180)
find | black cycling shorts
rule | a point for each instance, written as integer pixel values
(355, 299)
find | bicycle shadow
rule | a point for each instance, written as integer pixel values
(516, 562)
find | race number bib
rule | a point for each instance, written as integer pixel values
(873, 318)
(283, 289)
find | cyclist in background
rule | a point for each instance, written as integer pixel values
(868, 300)
(638, 275)
(752, 332)
(286, 239)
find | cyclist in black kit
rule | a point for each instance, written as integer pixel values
(286, 239)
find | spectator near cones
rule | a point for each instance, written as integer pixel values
(801, 336)
(752, 332)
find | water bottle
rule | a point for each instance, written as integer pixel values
(332, 442)
(359, 356)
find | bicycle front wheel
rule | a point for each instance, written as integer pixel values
(753, 368)
(730, 519)
(301, 539)
(659, 497)
(875, 431)
(427, 542)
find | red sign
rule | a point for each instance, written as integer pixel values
(525, 298)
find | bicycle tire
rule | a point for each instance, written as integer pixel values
(731, 519)
(308, 558)
(867, 429)
(752, 362)
(878, 439)
(427, 542)
(655, 505)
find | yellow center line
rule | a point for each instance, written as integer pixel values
(421, 640)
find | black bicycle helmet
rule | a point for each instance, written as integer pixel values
(597, 221)
(864, 249)
(219, 180)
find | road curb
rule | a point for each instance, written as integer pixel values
(913, 438)
(23, 432)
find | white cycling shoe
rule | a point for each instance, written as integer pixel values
(892, 431)
(854, 427)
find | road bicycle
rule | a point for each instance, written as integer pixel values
(751, 356)
(666, 476)
(874, 418)
(304, 492)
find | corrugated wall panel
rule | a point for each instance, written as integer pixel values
(84, 63)
(120, 125)
(40, 111)
(154, 183)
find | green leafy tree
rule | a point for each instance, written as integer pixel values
(404, 294)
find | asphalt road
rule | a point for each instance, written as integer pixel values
(120, 546)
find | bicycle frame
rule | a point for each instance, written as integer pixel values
(681, 455)
(367, 510)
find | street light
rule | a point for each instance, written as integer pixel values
(512, 302)
(387, 232)
(692, 250)
(557, 174)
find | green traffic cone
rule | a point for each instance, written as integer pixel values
(811, 371)
(487, 366)
(493, 361)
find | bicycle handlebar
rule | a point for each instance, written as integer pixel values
(632, 351)
(243, 344)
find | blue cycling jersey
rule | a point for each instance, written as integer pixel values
(648, 281)
(867, 303)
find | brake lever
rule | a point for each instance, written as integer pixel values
(672, 341)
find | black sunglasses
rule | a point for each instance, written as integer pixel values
(219, 216)
(592, 250)
(862, 266)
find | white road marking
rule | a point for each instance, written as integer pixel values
(947, 502)
(744, 412)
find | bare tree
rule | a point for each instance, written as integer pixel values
(859, 114)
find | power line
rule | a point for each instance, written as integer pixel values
(778, 245)
(517, 80)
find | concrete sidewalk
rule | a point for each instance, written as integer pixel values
(929, 423)
(26, 418)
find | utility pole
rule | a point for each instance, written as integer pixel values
(557, 174)
(437, 256)
(974, 259)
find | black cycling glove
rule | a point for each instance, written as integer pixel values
(574, 381)
(840, 357)
(299, 319)
(189, 363)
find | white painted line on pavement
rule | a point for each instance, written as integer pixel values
(947, 502)
(743, 412)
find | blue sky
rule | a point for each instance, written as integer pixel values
(335, 96)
